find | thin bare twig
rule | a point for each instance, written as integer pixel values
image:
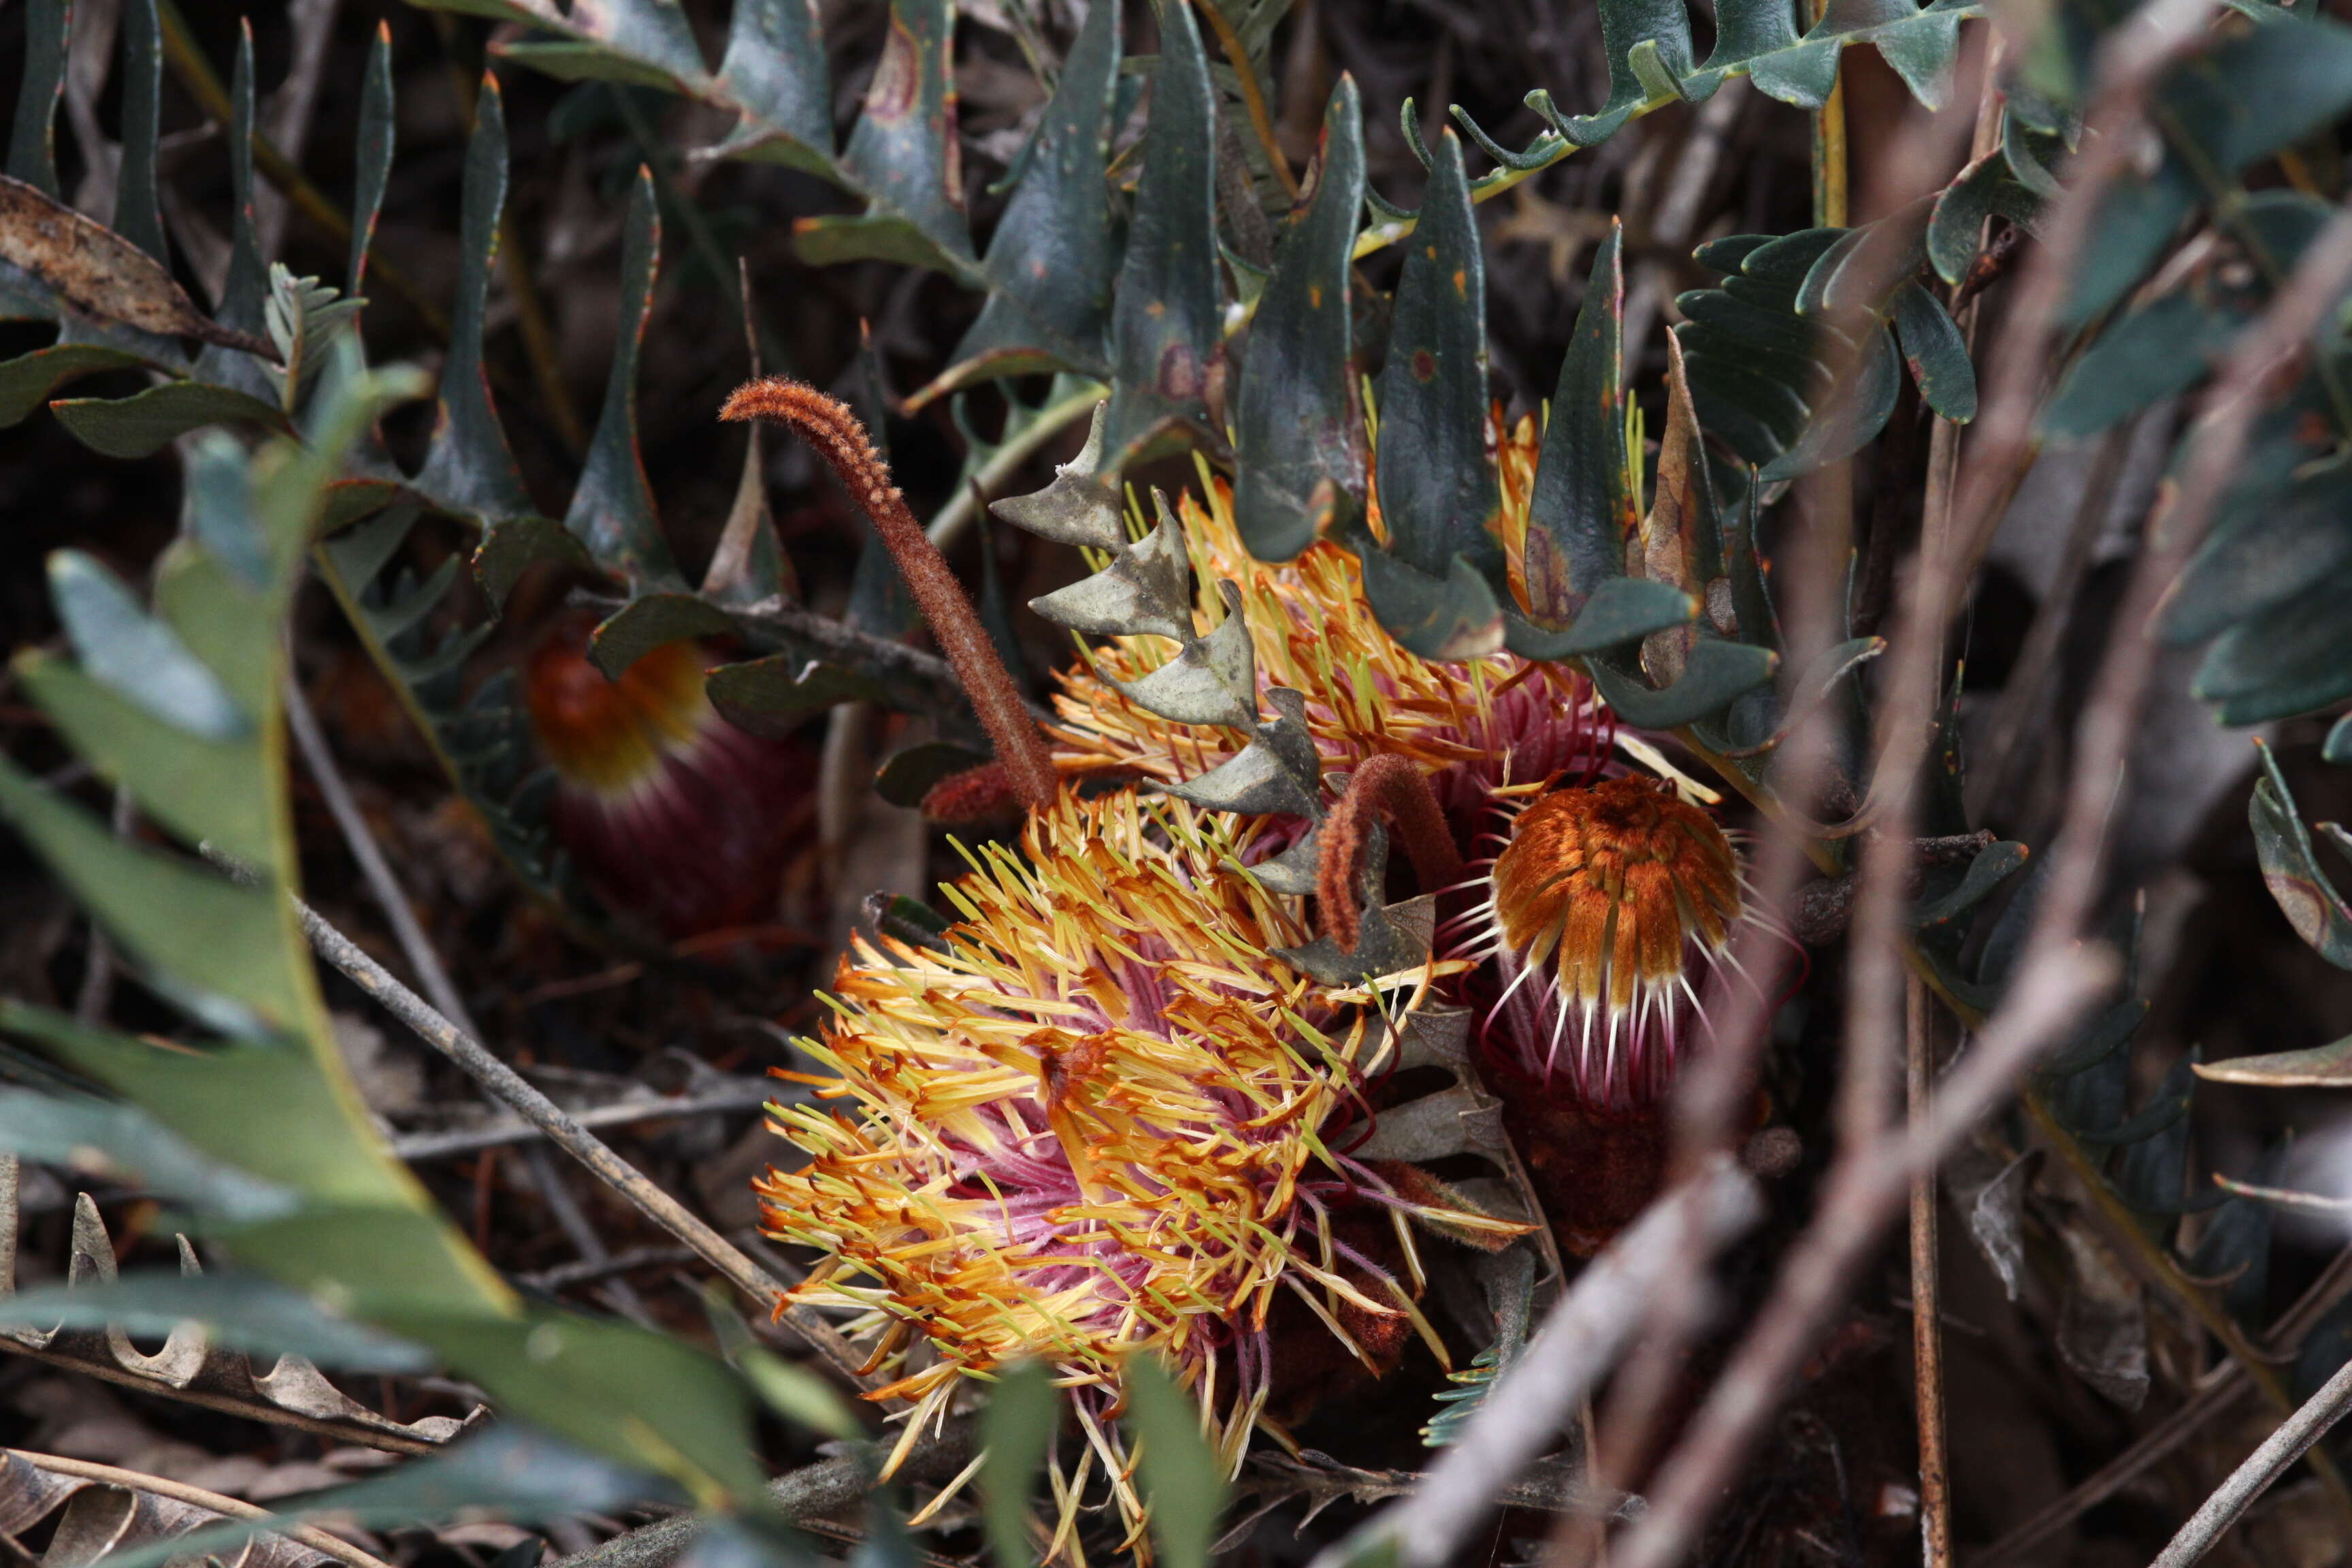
(1927, 1293)
(563, 1129)
(737, 1096)
(319, 758)
(2264, 1466)
(310, 1536)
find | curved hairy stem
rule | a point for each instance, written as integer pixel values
(834, 432)
(1390, 785)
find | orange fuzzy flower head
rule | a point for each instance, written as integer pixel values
(1604, 906)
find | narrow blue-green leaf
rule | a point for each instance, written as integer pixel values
(1437, 489)
(1620, 610)
(2297, 657)
(198, 787)
(468, 468)
(2163, 347)
(239, 1312)
(146, 422)
(611, 512)
(200, 931)
(902, 150)
(1050, 263)
(138, 215)
(377, 130)
(1936, 354)
(97, 1137)
(771, 695)
(1298, 430)
(775, 68)
(1626, 24)
(33, 141)
(136, 655)
(1851, 420)
(1165, 319)
(1582, 509)
(648, 621)
(1183, 1485)
(1993, 864)
(27, 381)
(1015, 1429)
(2137, 219)
(2265, 89)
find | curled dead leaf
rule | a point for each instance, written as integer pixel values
(100, 273)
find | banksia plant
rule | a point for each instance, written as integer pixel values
(672, 817)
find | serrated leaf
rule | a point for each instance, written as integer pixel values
(1145, 590)
(1851, 420)
(903, 151)
(611, 512)
(1080, 507)
(1716, 674)
(1165, 312)
(1212, 680)
(1391, 939)
(32, 141)
(1447, 618)
(773, 696)
(775, 68)
(1581, 509)
(145, 423)
(1298, 431)
(648, 622)
(1437, 489)
(245, 286)
(1278, 772)
(468, 469)
(1050, 262)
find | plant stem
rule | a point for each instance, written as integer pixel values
(1391, 787)
(834, 433)
(1926, 1292)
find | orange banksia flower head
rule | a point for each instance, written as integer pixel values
(1099, 1119)
(673, 815)
(1606, 911)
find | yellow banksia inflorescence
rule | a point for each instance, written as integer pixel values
(1100, 1118)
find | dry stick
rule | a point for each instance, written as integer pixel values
(2060, 974)
(319, 758)
(1926, 1292)
(829, 427)
(305, 1535)
(414, 1147)
(574, 1139)
(2262, 1466)
(1383, 786)
(1580, 1342)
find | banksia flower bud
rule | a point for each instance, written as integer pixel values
(673, 816)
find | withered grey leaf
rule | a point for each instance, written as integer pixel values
(1463, 1119)
(1145, 590)
(1292, 872)
(101, 274)
(1080, 507)
(1213, 681)
(1394, 938)
(1993, 1196)
(2102, 1319)
(1278, 771)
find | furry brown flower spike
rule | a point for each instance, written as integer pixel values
(834, 432)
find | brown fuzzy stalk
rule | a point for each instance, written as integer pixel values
(1386, 784)
(827, 425)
